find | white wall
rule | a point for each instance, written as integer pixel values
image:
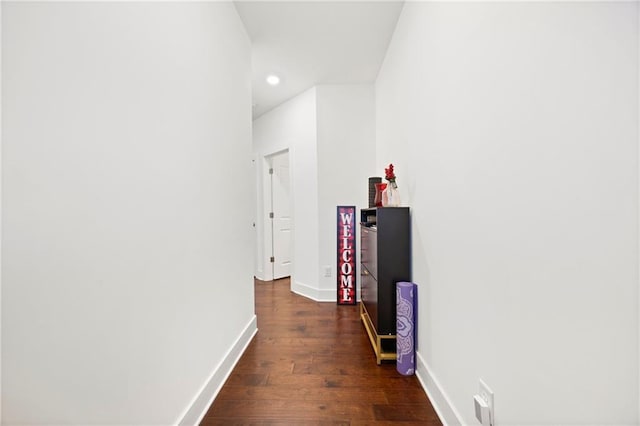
(392, 91)
(1, 214)
(126, 209)
(329, 131)
(330, 134)
(521, 168)
(346, 159)
(292, 126)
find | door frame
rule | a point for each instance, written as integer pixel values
(267, 246)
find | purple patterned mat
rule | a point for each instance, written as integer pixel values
(405, 327)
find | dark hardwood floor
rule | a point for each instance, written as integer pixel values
(311, 364)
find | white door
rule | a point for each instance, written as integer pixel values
(281, 224)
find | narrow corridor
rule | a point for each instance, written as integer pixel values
(311, 364)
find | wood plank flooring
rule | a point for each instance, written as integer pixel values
(312, 364)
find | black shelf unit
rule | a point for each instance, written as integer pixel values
(385, 256)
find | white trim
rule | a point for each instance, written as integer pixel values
(315, 294)
(1, 214)
(264, 238)
(267, 235)
(447, 413)
(638, 212)
(200, 404)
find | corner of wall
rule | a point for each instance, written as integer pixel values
(439, 400)
(638, 145)
(315, 294)
(200, 404)
(292, 126)
(0, 214)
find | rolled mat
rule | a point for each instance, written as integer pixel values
(406, 298)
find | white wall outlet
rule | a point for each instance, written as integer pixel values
(482, 410)
(486, 394)
(327, 270)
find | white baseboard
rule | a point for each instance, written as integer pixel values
(449, 416)
(198, 408)
(259, 274)
(315, 294)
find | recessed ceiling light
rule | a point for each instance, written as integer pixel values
(273, 79)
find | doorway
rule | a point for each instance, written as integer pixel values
(280, 219)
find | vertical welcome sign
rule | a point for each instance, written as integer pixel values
(346, 255)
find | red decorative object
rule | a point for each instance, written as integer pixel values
(390, 175)
(379, 188)
(346, 272)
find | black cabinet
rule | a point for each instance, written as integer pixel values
(385, 256)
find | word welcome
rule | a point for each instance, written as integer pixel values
(346, 255)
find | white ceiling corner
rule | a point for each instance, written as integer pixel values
(307, 43)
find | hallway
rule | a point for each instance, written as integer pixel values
(311, 364)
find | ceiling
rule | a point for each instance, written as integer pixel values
(307, 43)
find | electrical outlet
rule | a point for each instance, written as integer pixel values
(486, 394)
(482, 411)
(327, 271)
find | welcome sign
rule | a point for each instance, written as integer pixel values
(346, 255)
